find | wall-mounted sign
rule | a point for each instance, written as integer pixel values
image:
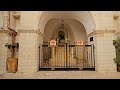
(79, 42)
(52, 43)
(91, 39)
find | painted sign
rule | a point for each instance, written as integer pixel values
(79, 42)
(52, 43)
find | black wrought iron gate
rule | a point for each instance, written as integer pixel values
(67, 57)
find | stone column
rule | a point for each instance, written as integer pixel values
(28, 51)
(53, 58)
(104, 51)
(53, 53)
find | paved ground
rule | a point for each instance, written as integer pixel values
(62, 75)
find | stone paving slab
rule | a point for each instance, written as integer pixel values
(62, 75)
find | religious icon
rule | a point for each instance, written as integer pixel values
(61, 36)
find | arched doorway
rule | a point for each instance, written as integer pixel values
(66, 54)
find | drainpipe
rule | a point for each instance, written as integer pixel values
(12, 62)
(13, 33)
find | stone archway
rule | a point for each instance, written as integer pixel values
(85, 17)
(51, 31)
(73, 28)
(92, 24)
(98, 24)
(37, 36)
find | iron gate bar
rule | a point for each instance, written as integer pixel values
(88, 45)
(93, 56)
(64, 55)
(72, 45)
(67, 56)
(39, 55)
(45, 45)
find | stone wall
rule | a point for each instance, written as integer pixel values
(29, 38)
(3, 51)
(28, 50)
(105, 51)
(39, 43)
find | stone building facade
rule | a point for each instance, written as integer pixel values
(37, 27)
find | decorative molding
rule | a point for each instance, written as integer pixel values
(101, 32)
(4, 31)
(27, 31)
(40, 33)
(100, 35)
(31, 31)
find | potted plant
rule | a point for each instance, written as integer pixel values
(116, 43)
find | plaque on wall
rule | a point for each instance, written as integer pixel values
(79, 42)
(52, 43)
(91, 39)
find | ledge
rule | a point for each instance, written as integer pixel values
(101, 32)
(31, 31)
(4, 31)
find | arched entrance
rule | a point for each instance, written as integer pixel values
(66, 54)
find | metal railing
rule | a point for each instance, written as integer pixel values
(67, 57)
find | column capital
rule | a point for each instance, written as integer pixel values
(4, 31)
(31, 31)
(100, 32)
